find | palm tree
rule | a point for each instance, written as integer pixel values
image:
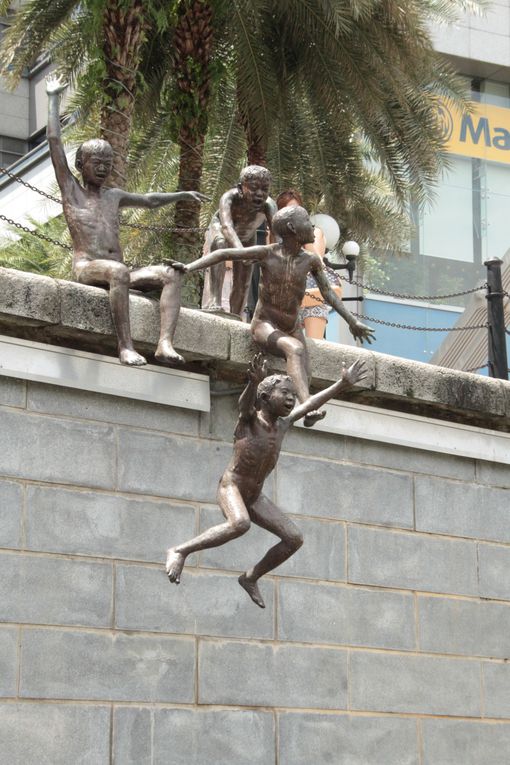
(337, 97)
(100, 42)
(364, 68)
(192, 75)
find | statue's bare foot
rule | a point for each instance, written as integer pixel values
(166, 353)
(214, 308)
(131, 358)
(312, 417)
(174, 565)
(252, 590)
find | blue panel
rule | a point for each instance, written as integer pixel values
(409, 344)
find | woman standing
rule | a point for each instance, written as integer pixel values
(314, 311)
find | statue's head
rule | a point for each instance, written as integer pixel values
(277, 394)
(293, 221)
(254, 183)
(94, 160)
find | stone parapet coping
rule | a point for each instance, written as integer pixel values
(76, 316)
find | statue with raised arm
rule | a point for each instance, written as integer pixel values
(91, 210)
(275, 326)
(242, 210)
(267, 409)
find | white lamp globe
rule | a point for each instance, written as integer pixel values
(329, 228)
(351, 248)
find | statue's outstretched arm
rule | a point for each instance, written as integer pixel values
(356, 328)
(258, 252)
(355, 373)
(154, 200)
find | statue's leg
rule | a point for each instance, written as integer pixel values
(168, 280)
(241, 277)
(116, 276)
(266, 514)
(215, 275)
(290, 347)
(237, 522)
(312, 417)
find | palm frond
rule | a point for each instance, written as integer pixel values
(255, 77)
(30, 34)
(225, 146)
(28, 253)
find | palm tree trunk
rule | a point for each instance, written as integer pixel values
(124, 31)
(193, 42)
(187, 214)
(257, 154)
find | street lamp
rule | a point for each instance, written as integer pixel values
(351, 252)
(329, 228)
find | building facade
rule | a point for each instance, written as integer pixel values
(468, 221)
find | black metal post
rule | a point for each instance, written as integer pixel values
(498, 363)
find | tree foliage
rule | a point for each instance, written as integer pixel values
(338, 97)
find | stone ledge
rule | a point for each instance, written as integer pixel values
(74, 315)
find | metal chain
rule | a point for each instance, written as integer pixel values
(403, 296)
(35, 233)
(45, 238)
(419, 329)
(139, 226)
(314, 297)
(159, 229)
(403, 326)
(29, 186)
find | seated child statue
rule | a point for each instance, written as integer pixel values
(275, 326)
(241, 212)
(92, 214)
(267, 409)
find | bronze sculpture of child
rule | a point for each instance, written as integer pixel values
(242, 210)
(275, 326)
(92, 214)
(267, 409)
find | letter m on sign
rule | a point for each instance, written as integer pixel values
(481, 128)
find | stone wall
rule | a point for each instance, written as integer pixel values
(385, 639)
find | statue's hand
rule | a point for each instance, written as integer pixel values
(362, 332)
(257, 369)
(182, 267)
(54, 85)
(197, 196)
(355, 373)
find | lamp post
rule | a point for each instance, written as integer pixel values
(351, 251)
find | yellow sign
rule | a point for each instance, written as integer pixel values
(483, 133)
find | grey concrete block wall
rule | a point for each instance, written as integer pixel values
(384, 640)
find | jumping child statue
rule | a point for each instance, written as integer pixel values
(92, 214)
(275, 326)
(267, 409)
